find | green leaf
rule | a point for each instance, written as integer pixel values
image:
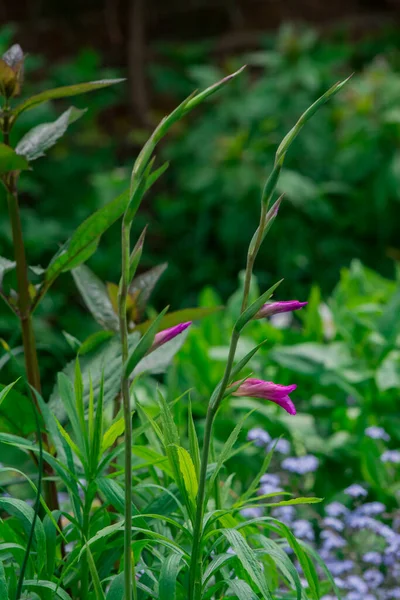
(193, 442)
(94, 341)
(98, 590)
(152, 457)
(225, 453)
(5, 391)
(46, 585)
(180, 316)
(114, 494)
(250, 312)
(25, 514)
(388, 373)
(115, 430)
(143, 345)
(10, 160)
(85, 238)
(3, 583)
(63, 92)
(241, 589)
(117, 589)
(95, 295)
(168, 576)
(249, 560)
(42, 137)
(188, 473)
(5, 266)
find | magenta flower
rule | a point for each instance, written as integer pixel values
(162, 337)
(273, 308)
(257, 388)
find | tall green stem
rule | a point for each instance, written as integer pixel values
(122, 296)
(196, 566)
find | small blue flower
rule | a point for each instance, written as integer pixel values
(393, 594)
(373, 578)
(286, 514)
(332, 541)
(336, 509)
(267, 488)
(303, 530)
(301, 465)
(377, 433)
(339, 567)
(373, 558)
(259, 436)
(391, 456)
(371, 509)
(356, 491)
(253, 512)
(282, 446)
(357, 584)
(271, 479)
(333, 523)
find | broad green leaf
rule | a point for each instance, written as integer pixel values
(95, 295)
(387, 375)
(283, 562)
(115, 430)
(42, 137)
(188, 473)
(249, 560)
(63, 92)
(10, 160)
(180, 316)
(168, 576)
(117, 589)
(95, 340)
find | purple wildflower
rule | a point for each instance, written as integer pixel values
(303, 530)
(270, 479)
(356, 491)
(282, 446)
(333, 523)
(377, 433)
(162, 337)
(301, 464)
(259, 436)
(391, 456)
(274, 308)
(257, 388)
(286, 514)
(339, 567)
(332, 541)
(373, 558)
(336, 509)
(371, 509)
(373, 578)
(253, 512)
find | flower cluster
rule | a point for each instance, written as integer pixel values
(357, 537)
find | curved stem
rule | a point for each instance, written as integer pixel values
(122, 296)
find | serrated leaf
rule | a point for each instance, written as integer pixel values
(63, 92)
(42, 137)
(95, 295)
(10, 160)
